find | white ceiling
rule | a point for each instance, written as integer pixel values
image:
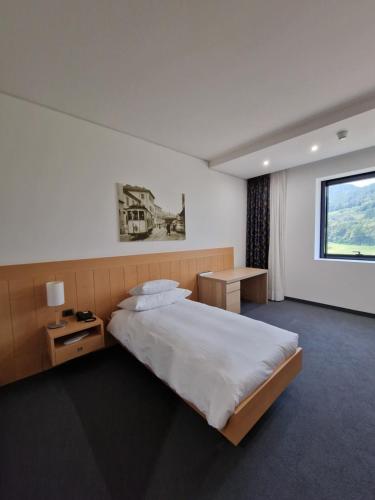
(204, 77)
(297, 151)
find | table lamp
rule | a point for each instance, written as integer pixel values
(55, 297)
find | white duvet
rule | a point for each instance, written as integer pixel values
(210, 357)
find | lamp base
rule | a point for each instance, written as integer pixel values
(58, 324)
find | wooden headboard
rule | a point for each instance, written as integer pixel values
(95, 284)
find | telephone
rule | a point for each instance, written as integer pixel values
(85, 316)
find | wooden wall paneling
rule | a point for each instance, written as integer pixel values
(27, 338)
(7, 365)
(132, 276)
(219, 263)
(184, 273)
(222, 262)
(228, 262)
(210, 263)
(20, 271)
(85, 290)
(96, 284)
(40, 284)
(44, 314)
(70, 289)
(154, 271)
(143, 273)
(214, 263)
(102, 293)
(117, 294)
(117, 284)
(192, 278)
(203, 264)
(175, 273)
(199, 264)
(165, 270)
(207, 263)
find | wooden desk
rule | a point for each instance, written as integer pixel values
(226, 288)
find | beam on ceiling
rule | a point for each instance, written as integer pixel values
(336, 114)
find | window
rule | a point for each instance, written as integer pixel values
(347, 228)
(133, 215)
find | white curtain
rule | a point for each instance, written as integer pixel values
(276, 257)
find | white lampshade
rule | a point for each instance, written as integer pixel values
(55, 293)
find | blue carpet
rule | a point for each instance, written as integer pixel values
(103, 427)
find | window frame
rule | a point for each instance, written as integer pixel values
(325, 184)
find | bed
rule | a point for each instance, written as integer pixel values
(228, 367)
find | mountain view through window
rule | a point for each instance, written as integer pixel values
(350, 218)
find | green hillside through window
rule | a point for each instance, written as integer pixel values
(350, 228)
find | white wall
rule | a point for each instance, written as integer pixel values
(58, 193)
(343, 284)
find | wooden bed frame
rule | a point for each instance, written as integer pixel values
(251, 409)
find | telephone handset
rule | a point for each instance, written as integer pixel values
(86, 316)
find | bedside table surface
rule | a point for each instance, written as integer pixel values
(72, 326)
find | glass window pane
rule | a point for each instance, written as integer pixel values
(351, 218)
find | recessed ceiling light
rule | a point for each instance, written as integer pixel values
(266, 163)
(314, 148)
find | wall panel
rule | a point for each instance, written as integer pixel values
(6, 336)
(154, 271)
(95, 284)
(27, 337)
(85, 290)
(70, 288)
(176, 271)
(117, 284)
(143, 273)
(44, 314)
(102, 292)
(132, 277)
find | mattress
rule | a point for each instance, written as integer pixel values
(211, 357)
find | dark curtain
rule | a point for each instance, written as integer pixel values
(258, 221)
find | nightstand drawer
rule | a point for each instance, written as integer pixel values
(66, 352)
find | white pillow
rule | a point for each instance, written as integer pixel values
(146, 302)
(154, 286)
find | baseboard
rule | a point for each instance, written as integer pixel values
(336, 308)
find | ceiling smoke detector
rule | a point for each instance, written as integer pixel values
(342, 135)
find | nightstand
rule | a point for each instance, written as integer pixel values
(60, 352)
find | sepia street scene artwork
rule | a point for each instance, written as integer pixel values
(143, 215)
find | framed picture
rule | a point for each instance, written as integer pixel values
(146, 215)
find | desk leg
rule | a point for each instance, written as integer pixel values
(255, 289)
